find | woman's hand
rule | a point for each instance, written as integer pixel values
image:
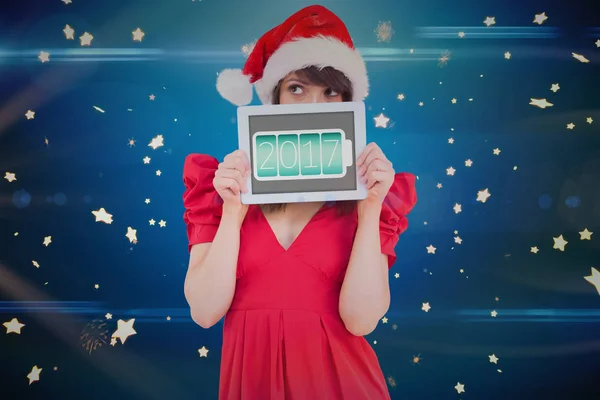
(376, 172)
(230, 181)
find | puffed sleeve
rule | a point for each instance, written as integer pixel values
(400, 200)
(203, 205)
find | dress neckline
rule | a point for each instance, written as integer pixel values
(312, 219)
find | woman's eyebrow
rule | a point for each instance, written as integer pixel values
(302, 82)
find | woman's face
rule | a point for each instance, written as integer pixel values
(295, 90)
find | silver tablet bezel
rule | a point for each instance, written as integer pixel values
(360, 142)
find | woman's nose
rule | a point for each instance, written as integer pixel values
(316, 98)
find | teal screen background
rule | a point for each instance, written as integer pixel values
(343, 120)
(292, 155)
(265, 155)
(332, 153)
(287, 147)
(309, 163)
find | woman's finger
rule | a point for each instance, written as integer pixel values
(234, 174)
(374, 177)
(223, 183)
(378, 165)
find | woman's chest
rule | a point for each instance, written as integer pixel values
(323, 243)
(286, 231)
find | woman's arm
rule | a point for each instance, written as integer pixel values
(211, 276)
(365, 294)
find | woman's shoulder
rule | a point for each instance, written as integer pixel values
(198, 174)
(196, 163)
(201, 201)
(402, 196)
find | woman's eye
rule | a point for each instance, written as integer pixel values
(331, 92)
(295, 89)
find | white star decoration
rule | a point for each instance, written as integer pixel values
(381, 121)
(44, 56)
(124, 330)
(10, 176)
(559, 243)
(594, 279)
(34, 375)
(489, 21)
(86, 39)
(102, 216)
(13, 326)
(585, 234)
(540, 18)
(156, 142)
(131, 234)
(138, 35)
(483, 195)
(457, 208)
(69, 32)
(460, 388)
(203, 351)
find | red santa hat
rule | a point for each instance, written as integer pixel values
(313, 36)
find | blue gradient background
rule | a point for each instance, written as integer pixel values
(547, 332)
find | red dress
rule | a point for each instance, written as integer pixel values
(283, 337)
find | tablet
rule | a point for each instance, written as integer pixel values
(302, 152)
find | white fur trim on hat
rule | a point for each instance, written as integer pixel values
(318, 51)
(234, 86)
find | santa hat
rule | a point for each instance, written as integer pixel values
(313, 36)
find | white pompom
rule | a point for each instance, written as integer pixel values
(234, 86)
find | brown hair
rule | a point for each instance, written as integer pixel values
(336, 81)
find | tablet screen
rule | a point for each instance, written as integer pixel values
(302, 152)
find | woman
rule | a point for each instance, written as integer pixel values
(299, 284)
